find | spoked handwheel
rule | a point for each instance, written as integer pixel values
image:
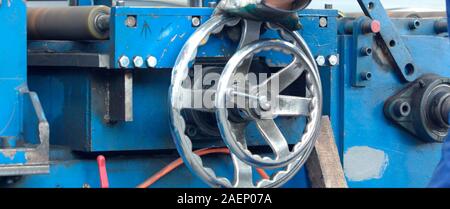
(181, 98)
(263, 103)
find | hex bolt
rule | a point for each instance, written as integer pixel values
(196, 21)
(321, 60)
(124, 62)
(138, 61)
(366, 51)
(152, 61)
(333, 60)
(414, 24)
(366, 76)
(323, 22)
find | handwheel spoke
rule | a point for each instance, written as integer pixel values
(240, 99)
(250, 32)
(272, 134)
(292, 106)
(243, 173)
(282, 78)
(197, 99)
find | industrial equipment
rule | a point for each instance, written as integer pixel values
(109, 93)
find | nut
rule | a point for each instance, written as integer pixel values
(124, 62)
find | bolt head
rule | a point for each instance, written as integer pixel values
(152, 61)
(320, 60)
(124, 62)
(131, 21)
(323, 22)
(333, 60)
(196, 21)
(138, 61)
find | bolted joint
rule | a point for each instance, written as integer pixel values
(124, 62)
(321, 61)
(333, 60)
(138, 61)
(366, 76)
(414, 24)
(152, 61)
(366, 51)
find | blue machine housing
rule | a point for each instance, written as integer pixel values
(374, 152)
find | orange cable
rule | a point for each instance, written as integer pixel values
(175, 164)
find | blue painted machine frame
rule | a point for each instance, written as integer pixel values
(72, 98)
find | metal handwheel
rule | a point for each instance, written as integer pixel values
(181, 99)
(263, 105)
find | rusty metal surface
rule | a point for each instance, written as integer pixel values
(67, 23)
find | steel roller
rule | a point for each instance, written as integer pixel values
(68, 23)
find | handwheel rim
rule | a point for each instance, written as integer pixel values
(183, 142)
(226, 126)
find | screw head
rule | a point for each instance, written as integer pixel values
(195, 21)
(124, 62)
(333, 60)
(131, 21)
(321, 60)
(323, 22)
(152, 61)
(138, 61)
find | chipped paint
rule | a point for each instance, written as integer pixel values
(363, 163)
(165, 32)
(9, 153)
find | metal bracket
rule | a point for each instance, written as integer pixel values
(421, 108)
(35, 158)
(394, 43)
(362, 53)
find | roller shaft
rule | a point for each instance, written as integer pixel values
(68, 23)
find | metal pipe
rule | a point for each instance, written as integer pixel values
(68, 23)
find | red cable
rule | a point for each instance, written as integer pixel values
(175, 164)
(101, 162)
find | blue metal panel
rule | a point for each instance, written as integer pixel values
(128, 171)
(408, 162)
(13, 67)
(448, 13)
(72, 101)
